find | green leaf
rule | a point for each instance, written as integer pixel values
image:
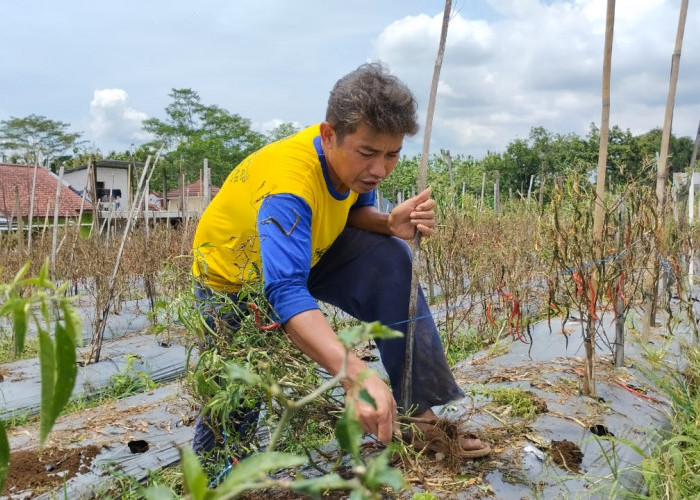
(238, 373)
(195, 482)
(348, 431)
(72, 323)
(159, 492)
(379, 473)
(4, 456)
(20, 316)
(47, 363)
(256, 466)
(317, 486)
(367, 398)
(352, 336)
(358, 495)
(677, 458)
(66, 369)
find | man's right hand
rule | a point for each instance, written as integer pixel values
(380, 421)
(311, 333)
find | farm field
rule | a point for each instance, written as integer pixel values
(509, 293)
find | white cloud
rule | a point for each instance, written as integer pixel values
(539, 63)
(113, 123)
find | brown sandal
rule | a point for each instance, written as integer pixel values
(444, 437)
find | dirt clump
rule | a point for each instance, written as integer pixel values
(566, 455)
(40, 471)
(539, 403)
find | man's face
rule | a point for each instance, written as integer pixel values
(362, 160)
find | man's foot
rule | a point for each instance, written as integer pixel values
(442, 436)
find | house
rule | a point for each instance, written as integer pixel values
(16, 188)
(193, 196)
(113, 182)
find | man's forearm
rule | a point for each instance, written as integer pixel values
(313, 335)
(369, 219)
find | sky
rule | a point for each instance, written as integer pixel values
(509, 65)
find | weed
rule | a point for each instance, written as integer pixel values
(19, 419)
(518, 402)
(8, 351)
(128, 381)
(462, 346)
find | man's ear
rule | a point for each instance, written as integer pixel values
(327, 134)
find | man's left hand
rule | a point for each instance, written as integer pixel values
(414, 213)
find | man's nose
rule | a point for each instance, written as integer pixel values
(378, 168)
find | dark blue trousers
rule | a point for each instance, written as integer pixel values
(368, 276)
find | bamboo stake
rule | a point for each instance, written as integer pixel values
(691, 205)
(589, 388)
(497, 194)
(46, 222)
(31, 206)
(620, 319)
(20, 222)
(406, 383)
(483, 187)
(54, 237)
(650, 282)
(101, 319)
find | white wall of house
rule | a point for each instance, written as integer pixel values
(111, 178)
(192, 204)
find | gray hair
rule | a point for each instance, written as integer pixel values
(371, 96)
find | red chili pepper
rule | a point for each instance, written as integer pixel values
(591, 304)
(579, 282)
(271, 326)
(516, 314)
(627, 387)
(488, 314)
(621, 289)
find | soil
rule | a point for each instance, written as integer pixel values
(567, 455)
(37, 472)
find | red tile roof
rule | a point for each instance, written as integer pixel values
(45, 194)
(194, 189)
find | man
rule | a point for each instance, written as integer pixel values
(302, 210)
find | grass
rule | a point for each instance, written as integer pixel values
(517, 400)
(463, 345)
(673, 470)
(7, 349)
(124, 383)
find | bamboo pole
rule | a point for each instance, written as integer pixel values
(54, 236)
(650, 282)
(101, 318)
(406, 383)
(691, 206)
(497, 194)
(20, 222)
(589, 388)
(31, 206)
(620, 305)
(483, 187)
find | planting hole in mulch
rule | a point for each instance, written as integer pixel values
(601, 430)
(138, 446)
(31, 470)
(566, 455)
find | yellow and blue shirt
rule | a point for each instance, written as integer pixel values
(277, 211)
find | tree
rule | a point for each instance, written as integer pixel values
(36, 139)
(281, 131)
(193, 131)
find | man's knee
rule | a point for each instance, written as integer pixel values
(392, 255)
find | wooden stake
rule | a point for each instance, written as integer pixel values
(652, 267)
(406, 383)
(54, 237)
(589, 388)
